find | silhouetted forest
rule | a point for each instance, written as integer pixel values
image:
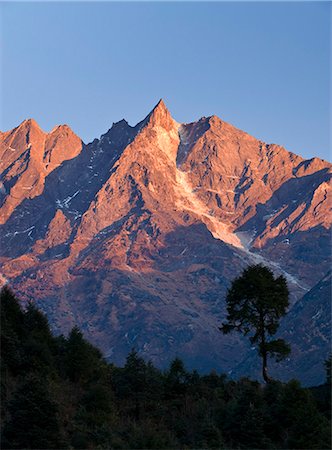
(59, 392)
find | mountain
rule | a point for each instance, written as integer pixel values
(136, 236)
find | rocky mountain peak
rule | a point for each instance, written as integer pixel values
(29, 124)
(118, 128)
(60, 144)
(160, 116)
(27, 133)
(28, 155)
(63, 128)
(120, 124)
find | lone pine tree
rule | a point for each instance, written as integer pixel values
(255, 303)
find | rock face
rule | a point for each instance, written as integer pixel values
(27, 156)
(136, 236)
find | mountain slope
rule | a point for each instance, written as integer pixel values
(308, 327)
(136, 236)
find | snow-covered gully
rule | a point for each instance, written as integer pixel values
(190, 202)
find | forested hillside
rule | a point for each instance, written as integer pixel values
(59, 392)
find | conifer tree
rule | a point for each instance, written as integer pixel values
(81, 358)
(256, 301)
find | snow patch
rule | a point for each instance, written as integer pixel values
(259, 259)
(189, 201)
(317, 315)
(28, 230)
(65, 203)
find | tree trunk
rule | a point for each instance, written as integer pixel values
(267, 379)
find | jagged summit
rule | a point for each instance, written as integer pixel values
(120, 123)
(160, 106)
(27, 128)
(160, 116)
(118, 126)
(62, 128)
(30, 123)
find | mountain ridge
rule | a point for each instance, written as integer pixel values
(148, 224)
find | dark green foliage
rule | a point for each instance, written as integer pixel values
(94, 417)
(138, 385)
(244, 421)
(176, 380)
(256, 301)
(277, 349)
(53, 389)
(12, 332)
(38, 346)
(59, 392)
(81, 359)
(33, 421)
(323, 393)
(304, 425)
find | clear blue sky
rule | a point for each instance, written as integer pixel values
(263, 67)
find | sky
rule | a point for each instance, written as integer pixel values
(262, 66)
